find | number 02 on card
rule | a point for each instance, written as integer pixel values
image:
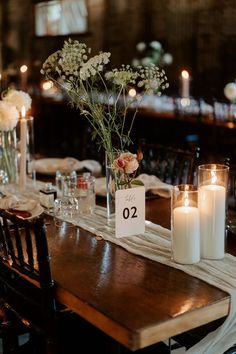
(130, 211)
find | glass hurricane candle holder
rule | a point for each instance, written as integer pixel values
(185, 240)
(212, 185)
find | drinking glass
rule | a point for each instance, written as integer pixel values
(85, 193)
(65, 211)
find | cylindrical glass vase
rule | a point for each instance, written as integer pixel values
(112, 185)
(8, 154)
(212, 185)
(185, 236)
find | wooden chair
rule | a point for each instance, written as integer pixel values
(28, 303)
(172, 165)
(27, 288)
(27, 293)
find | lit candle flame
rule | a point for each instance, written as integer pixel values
(132, 92)
(186, 200)
(47, 85)
(23, 68)
(185, 74)
(23, 112)
(213, 177)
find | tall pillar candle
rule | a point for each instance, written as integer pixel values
(185, 84)
(185, 241)
(212, 180)
(212, 201)
(23, 140)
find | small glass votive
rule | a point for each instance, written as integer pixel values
(212, 185)
(85, 193)
(66, 184)
(185, 235)
(65, 211)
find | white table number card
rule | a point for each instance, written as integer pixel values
(130, 212)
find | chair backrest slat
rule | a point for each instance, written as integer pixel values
(172, 165)
(8, 240)
(18, 244)
(25, 269)
(29, 248)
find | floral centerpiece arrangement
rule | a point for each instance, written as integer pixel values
(102, 96)
(151, 54)
(10, 109)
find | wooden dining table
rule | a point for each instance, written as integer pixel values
(134, 300)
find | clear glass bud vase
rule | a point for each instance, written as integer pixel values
(111, 183)
(8, 154)
(121, 168)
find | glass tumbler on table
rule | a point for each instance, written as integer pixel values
(85, 193)
(66, 207)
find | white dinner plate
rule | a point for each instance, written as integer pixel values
(38, 210)
(25, 204)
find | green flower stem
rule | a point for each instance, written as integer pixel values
(8, 156)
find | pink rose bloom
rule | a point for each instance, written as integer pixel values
(118, 165)
(131, 163)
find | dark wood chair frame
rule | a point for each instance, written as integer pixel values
(27, 288)
(172, 165)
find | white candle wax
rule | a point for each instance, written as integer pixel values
(23, 137)
(184, 84)
(23, 76)
(212, 199)
(185, 235)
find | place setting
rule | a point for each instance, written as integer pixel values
(21, 206)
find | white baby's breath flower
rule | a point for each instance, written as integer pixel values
(167, 59)
(101, 95)
(18, 99)
(155, 45)
(151, 53)
(9, 116)
(141, 46)
(135, 62)
(147, 61)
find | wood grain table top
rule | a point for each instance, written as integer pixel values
(136, 301)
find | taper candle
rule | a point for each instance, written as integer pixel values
(23, 138)
(185, 84)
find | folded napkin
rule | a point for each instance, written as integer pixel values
(92, 165)
(10, 201)
(66, 165)
(152, 184)
(155, 186)
(100, 186)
